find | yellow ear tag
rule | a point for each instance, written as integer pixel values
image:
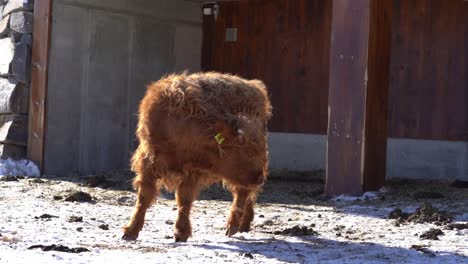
(219, 138)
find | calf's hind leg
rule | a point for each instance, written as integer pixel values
(146, 184)
(186, 193)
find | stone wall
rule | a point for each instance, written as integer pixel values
(16, 27)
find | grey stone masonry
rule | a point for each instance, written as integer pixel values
(13, 97)
(7, 49)
(21, 64)
(4, 25)
(16, 28)
(18, 5)
(21, 22)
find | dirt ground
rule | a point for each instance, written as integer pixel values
(40, 222)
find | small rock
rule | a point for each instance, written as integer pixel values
(94, 181)
(126, 200)
(459, 226)
(339, 227)
(296, 231)
(8, 178)
(79, 197)
(104, 226)
(57, 197)
(169, 222)
(246, 255)
(261, 216)
(79, 229)
(432, 234)
(60, 248)
(74, 219)
(268, 222)
(395, 214)
(45, 216)
(37, 181)
(423, 249)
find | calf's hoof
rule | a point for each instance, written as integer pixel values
(244, 229)
(232, 230)
(180, 238)
(128, 234)
(129, 237)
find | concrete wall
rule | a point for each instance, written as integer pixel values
(406, 158)
(103, 53)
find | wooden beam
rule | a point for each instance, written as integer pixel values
(207, 39)
(38, 96)
(358, 93)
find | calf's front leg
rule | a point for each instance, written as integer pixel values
(248, 214)
(241, 197)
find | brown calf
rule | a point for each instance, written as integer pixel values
(196, 130)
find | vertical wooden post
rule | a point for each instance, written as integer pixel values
(38, 94)
(358, 93)
(207, 40)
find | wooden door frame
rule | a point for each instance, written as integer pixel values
(38, 86)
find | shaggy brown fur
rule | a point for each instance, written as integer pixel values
(179, 118)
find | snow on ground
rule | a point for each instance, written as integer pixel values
(10, 167)
(348, 231)
(364, 197)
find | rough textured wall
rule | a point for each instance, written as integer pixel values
(102, 55)
(16, 27)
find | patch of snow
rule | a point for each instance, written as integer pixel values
(23, 167)
(463, 217)
(366, 196)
